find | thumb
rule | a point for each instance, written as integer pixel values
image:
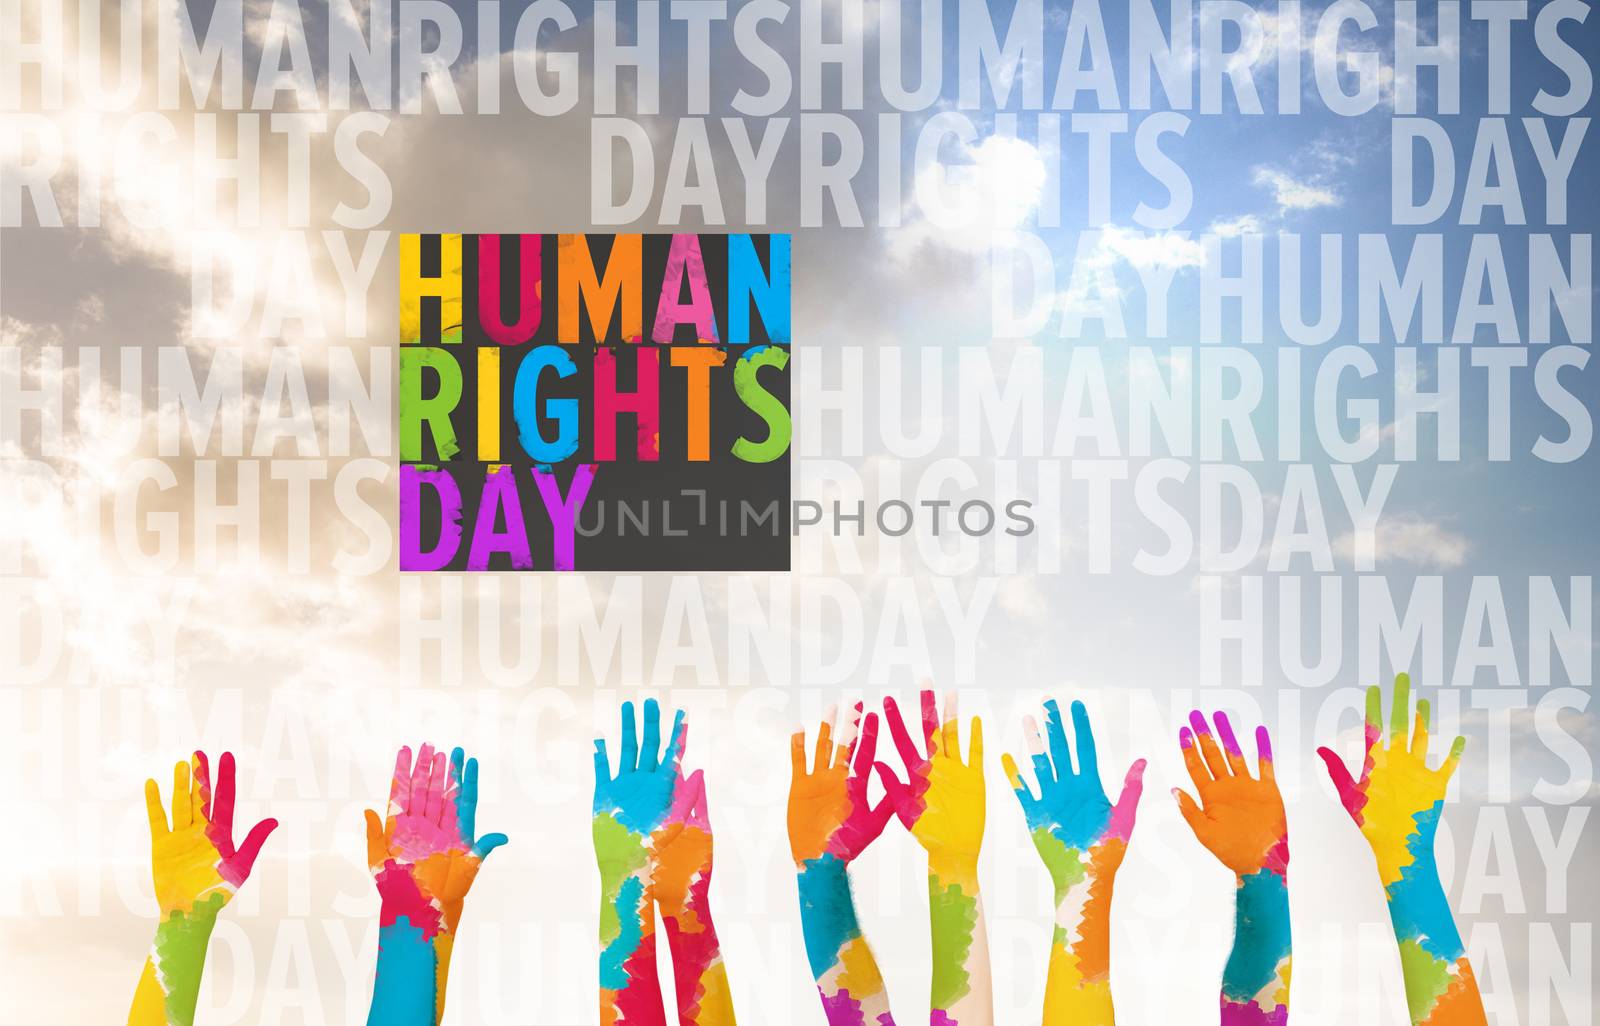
(1191, 812)
(246, 856)
(488, 843)
(377, 843)
(1343, 783)
(1132, 787)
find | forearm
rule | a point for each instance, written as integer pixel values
(842, 964)
(962, 993)
(701, 978)
(1255, 983)
(1439, 983)
(413, 965)
(169, 986)
(630, 990)
(1077, 990)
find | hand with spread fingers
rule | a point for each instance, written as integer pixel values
(196, 870)
(1240, 820)
(831, 821)
(1082, 838)
(943, 807)
(1397, 802)
(424, 854)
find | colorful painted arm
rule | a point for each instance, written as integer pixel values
(943, 807)
(196, 870)
(424, 855)
(632, 821)
(1240, 819)
(682, 884)
(1397, 803)
(1081, 837)
(830, 823)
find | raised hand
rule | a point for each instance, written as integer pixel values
(943, 807)
(196, 871)
(1397, 802)
(1082, 838)
(681, 882)
(831, 821)
(632, 820)
(424, 855)
(1240, 819)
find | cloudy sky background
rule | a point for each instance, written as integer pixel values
(308, 677)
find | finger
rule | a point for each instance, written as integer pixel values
(1018, 785)
(896, 794)
(1207, 744)
(438, 773)
(1264, 766)
(200, 789)
(867, 749)
(152, 808)
(1400, 714)
(797, 754)
(678, 741)
(975, 744)
(1055, 732)
(225, 795)
(1419, 732)
(852, 734)
(487, 844)
(1374, 714)
(1128, 802)
(1453, 760)
(1191, 759)
(630, 741)
(1088, 757)
(930, 720)
(467, 806)
(1343, 784)
(181, 819)
(951, 728)
(377, 840)
(824, 750)
(421, 771)
(650, 743)
(245, 860)
(1191, 812)
(1043, 772)
(602, 763)
(399, 784)
(909, 755)
(1230, 746)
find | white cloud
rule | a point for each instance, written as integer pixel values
(961, 206)
(1233, 227)
(1292, 193)
(1408, 538)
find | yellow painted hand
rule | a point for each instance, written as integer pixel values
(944, 805)
(193, 859)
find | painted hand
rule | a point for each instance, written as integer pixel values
(1082, 838)
(831, 821)
(1397, 802)
(425, 853)
(196, 868)
(1240, 820)
(829, 812)
(633, 824)
(1398, 798)
(943, 806)
(1072, 815)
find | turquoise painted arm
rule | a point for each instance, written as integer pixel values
(841, 961)
(1255, 982)
(406, 992)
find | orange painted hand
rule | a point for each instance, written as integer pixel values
(1239, 818)
(193, 860)
(829, 812)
